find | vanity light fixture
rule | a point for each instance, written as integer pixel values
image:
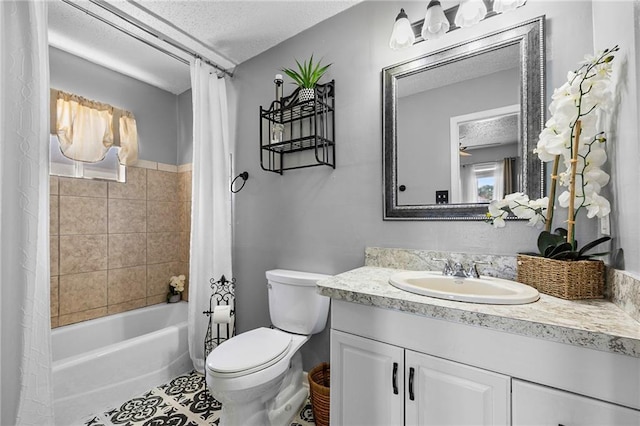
(470, 13)
(402, 35)
(436, 23)
(502, 6)
(439, 21)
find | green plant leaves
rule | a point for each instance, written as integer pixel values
(308, 74)
(593, 244)
(548, 241)
(555, 246)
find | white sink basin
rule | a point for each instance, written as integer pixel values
(476, 290)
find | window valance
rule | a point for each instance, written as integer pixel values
(86, 129)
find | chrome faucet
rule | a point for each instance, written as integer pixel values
(457, 270)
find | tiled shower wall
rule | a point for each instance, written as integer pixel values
(114, 246)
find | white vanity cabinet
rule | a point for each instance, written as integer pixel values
(441, 392)
(367, 381)
(375, 383)
(395, 368)
(535, 405)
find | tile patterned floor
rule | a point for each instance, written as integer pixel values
(184, 401)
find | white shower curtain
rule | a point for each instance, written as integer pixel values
(26, 390)
(211, 210)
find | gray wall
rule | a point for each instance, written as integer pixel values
(424, 137)
(156, 110)
(185, 128)
(619, 23)
(320, 219)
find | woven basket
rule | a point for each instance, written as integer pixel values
(319, 378)
(571, 280)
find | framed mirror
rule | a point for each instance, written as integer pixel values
(460, 126)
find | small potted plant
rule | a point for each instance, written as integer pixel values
(176, 287)
(572, 138)
(306, 77)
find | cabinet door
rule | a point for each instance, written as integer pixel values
(441, 392)
(366, 381)
(541, 406)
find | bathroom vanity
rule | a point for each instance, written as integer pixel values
(400, 358)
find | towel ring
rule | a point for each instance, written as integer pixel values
(244, 176)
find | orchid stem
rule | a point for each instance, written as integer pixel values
(572, 185)
(552, 194)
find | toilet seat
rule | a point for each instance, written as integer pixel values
(248, 353)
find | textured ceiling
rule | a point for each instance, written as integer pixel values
(226, 32)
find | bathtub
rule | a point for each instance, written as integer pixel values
(101, 363)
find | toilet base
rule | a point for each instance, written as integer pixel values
(272, 404)
(291, 396)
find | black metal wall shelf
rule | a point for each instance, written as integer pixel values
(297, 134)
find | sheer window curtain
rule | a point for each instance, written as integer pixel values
(25, 349)
(211, 209)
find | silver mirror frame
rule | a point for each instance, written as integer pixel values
(529, 36)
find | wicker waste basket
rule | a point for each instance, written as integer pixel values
(319, 378)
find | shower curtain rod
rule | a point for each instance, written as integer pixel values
(147, 30)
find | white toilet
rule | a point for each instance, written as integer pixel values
(257, 375)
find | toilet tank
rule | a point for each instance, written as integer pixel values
(294, 304)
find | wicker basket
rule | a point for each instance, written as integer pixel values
(319, 378)
(571, 280)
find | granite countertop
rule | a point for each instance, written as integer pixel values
(595, 324)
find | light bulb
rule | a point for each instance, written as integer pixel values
(470, 13)
(501, 6)
(402, 35)
(436, 23)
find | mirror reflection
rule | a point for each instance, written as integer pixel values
(460, 126)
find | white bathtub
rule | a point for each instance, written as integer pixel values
(100, 363)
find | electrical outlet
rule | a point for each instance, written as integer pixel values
(605, 225)
(442, 197)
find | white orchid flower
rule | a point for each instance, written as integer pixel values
(598, 206)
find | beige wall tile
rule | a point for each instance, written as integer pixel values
(82, 292)
(184, 186)
(82, 316)
(162, 186)
(53, 214)
(158, 277)
(54, 322)
(83, 187)
(127, 250)
(144, 164)
(124, 285)
(163, 216)
(184, 217)
(163, 247)
(168, 167)
(184, 270)
(187, 167)
(54, 255)
(83, 253)
(134, 189)
(126, 306)
(157, 299)
(127, 216)
(53, 185)
(184, 247)
(53, 302)
(83, 215)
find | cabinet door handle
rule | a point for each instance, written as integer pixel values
(394, 378)
(411, 374)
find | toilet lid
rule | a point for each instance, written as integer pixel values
(249, 352)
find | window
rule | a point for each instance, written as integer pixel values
(109, 168)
